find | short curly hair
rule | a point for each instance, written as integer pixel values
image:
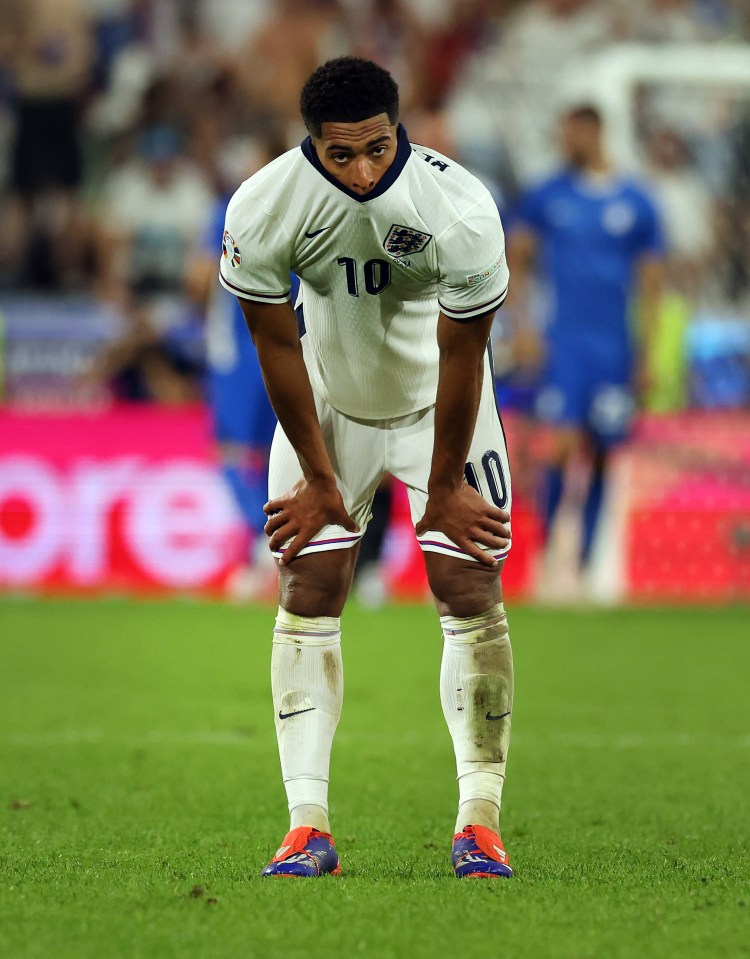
(347, 90)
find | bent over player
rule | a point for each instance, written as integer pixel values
(401, 258)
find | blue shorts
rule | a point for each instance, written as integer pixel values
(239, 403)
(593, 398)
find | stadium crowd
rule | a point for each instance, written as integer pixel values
(122, 121)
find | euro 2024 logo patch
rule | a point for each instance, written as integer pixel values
(229, 249)
(403, 241)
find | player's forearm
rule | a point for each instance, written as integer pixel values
(276, 338)
(291, 396)
(462, 348)
(455, 416)
(520, 256)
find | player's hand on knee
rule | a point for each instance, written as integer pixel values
(301, 513)
(469, 521)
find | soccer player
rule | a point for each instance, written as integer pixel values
(401, 258)
(600, 242)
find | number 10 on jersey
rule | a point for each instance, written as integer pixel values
(377, 275)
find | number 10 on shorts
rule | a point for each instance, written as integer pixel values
(494, 477)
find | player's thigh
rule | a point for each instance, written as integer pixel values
(561, 407)
(486, 469)
(318, 583)
(562, 442)
(461, 587)
(356, 451)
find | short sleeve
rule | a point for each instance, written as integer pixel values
(255, 252)
(473, 272)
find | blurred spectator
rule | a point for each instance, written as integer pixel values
(233, 23)
(131, 70)
(687, 210)
(600, 245)
(151, 210)
(734, 217)
(391, 33)
(511, 91)
(145, 367)
(676, 21)
(271, 68)
(689, 218)
(114, 25)
(50, 51)
(471, 26)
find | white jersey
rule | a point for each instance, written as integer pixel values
(375, 270)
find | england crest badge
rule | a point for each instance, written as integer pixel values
(403, 241)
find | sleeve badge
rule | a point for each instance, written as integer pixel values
(229, 250)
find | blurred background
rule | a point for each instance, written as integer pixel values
(124, 127)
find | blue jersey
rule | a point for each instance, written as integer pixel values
(236, 392)
(592, 236)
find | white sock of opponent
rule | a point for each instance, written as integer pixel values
(307, 682)
(476, 692)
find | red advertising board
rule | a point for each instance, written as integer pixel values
(689, 508)
(129, 499)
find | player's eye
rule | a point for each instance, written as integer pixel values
(379, 151)
(340, 157)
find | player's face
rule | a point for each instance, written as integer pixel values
(357, 154)
(580, 140)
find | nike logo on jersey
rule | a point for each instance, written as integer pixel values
(316, 232)
(297, 713)
(491, 717)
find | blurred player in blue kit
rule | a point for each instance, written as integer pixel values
(599, 244)
(401, 259)
(243, 419)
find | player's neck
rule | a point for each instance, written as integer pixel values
(598, 166)
(596, 176)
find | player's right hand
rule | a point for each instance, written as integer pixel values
(474, 525)
(301, 513)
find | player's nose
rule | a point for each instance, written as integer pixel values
(363, 180)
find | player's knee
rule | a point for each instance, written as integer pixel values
(317, 584)
(460, 587)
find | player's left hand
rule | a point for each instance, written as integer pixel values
(468, 520)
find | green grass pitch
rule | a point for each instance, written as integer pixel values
(140, 793)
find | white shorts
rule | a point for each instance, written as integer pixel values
(363, 451)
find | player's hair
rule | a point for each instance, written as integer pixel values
(587, 112)
(347, 90)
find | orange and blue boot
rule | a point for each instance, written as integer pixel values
(478, 853)
(304, 853)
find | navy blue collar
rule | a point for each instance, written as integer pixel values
(403, 152)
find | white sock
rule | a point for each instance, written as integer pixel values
(476, 692)
(307, 682)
